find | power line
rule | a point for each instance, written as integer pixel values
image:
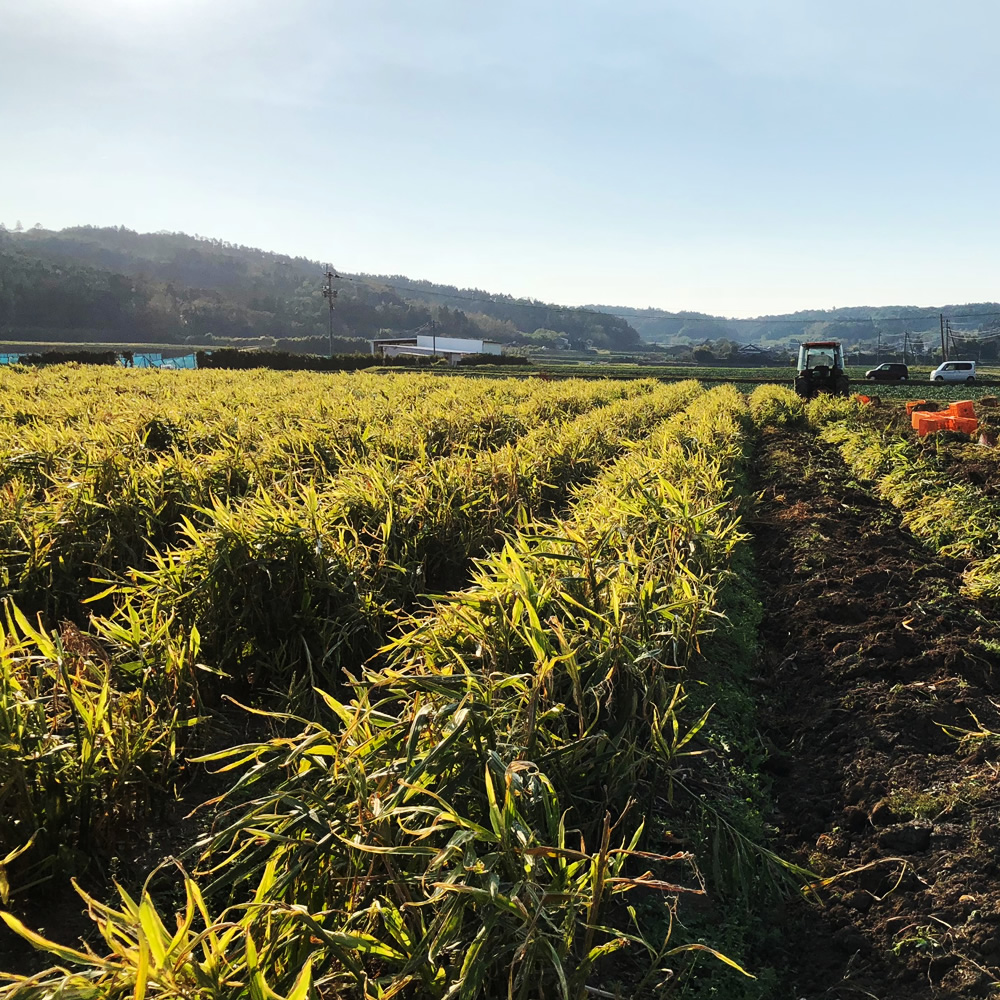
(664, 314)
(489, 299)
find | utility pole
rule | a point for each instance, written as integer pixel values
(878, 347)
(944, 344)
(330, 293)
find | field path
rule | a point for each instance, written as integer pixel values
(868, 652)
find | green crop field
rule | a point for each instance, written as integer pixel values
(918, 384)
(383, 685)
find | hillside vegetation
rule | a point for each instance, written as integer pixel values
(112, 285)
(91, 284)
(854, 325)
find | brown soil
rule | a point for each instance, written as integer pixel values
(869, 651)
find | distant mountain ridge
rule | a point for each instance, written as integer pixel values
(851, 324)
(112, 284)
(87, 283)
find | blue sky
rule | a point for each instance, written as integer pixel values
(732, 156)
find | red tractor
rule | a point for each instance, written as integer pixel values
(821, 369)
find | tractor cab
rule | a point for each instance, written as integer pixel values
(821, 369)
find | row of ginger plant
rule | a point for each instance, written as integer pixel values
(97, 470)
(957, 519)
(279, 589)
(475, 812)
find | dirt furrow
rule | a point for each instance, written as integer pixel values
(870, 655)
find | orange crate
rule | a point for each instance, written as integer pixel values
(910, 407)
(967, 425)
(962, 408)
(927, 423)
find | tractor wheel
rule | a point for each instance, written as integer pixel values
(802, 387)
(842, 387)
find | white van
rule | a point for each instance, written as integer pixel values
(955, 371)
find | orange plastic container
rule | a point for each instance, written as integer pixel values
(927, 423)
(967, 425)
(962, 408)
(910, 407)
(863, 400)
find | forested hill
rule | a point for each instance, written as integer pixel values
(89, 284)
(853, 325)
(116, 285)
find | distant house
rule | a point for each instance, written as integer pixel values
(428, 345)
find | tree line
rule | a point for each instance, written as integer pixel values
(113, 284)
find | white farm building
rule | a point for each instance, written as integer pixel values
(428, 346)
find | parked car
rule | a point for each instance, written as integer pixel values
(955, 371)
(891, 370)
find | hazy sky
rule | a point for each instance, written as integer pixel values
(734, 156)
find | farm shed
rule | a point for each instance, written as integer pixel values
(427, 345)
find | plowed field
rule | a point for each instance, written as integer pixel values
(871, 662)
